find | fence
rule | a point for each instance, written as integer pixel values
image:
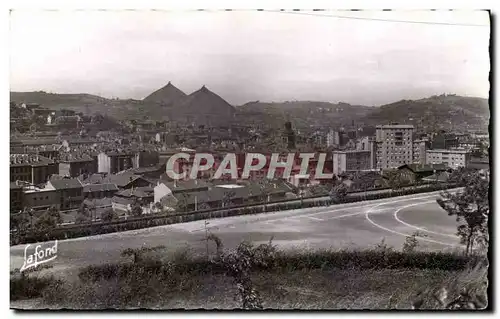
(132, 223)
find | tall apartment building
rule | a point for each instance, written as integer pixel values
(367, 143)
(452, 158)
(355, 160)
(420, 148)
(332, 138)
(394, 145)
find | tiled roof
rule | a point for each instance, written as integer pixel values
(94, 179)
(137, 192)
(99, 187)
(66, 183)
(74, 157)
(32, 141)
(419, 168)
(439, 177)
(185, 185)
(121, 180)
(122, 200)
(143, 170)
(29, 159)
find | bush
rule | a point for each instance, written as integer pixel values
(27, 285)
(109, 215)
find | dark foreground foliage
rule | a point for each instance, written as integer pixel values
(257, 277)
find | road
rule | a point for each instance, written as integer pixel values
(358, 225)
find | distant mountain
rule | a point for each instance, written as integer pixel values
(203, 107)
(58, 101)
(167, 95)
(91, 104)
(449, 112)
(306, 113)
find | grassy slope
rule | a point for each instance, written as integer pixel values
(298, 286)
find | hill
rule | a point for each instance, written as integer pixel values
(167, 95)
(203, 107)
(306, 113)
(92, 104)
(78, 102)
(449, 112)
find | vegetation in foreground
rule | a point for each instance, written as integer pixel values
(257, 277)
(260, 277)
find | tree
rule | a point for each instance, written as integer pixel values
(395, 180)
(411, 243)
(109, 215)
(338, 193)
(19, 222)
(83, 214)
(158, 207)
(471, 209)
(182, 204)
(28, 212)
(238, 265)
(136, 208)
(226, 198)
(49, 220)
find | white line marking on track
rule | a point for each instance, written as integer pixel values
(416, 227)
(314, 218)
(402, 234)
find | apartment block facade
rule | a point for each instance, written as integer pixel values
(354, 160)
(452, 158)
(394, 145)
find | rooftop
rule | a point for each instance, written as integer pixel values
(75, 157)
(29, 159)
(395, 126)
(457, 151)
(99, 187)
(66, 183)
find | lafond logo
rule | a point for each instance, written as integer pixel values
(39, 254)
(235, 166)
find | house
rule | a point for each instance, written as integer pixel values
(30, 106)
(479, 163)
(453, 158)
(149, 172)
(67, 121)
(77, 142)
(414, 172)
(367, 180)
(32, 168)
(144, 195)
(16, 197)
(41, 198)
(147, 158)
(115, 161)
(438, 177)
(74, 164)
(352, 160)
(126, 180)
(93, 191)
(122, 204)
(70, 192)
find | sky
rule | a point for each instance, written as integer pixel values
(249, 56)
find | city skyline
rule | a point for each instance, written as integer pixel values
(263, 56)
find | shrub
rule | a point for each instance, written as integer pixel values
(109, 215)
